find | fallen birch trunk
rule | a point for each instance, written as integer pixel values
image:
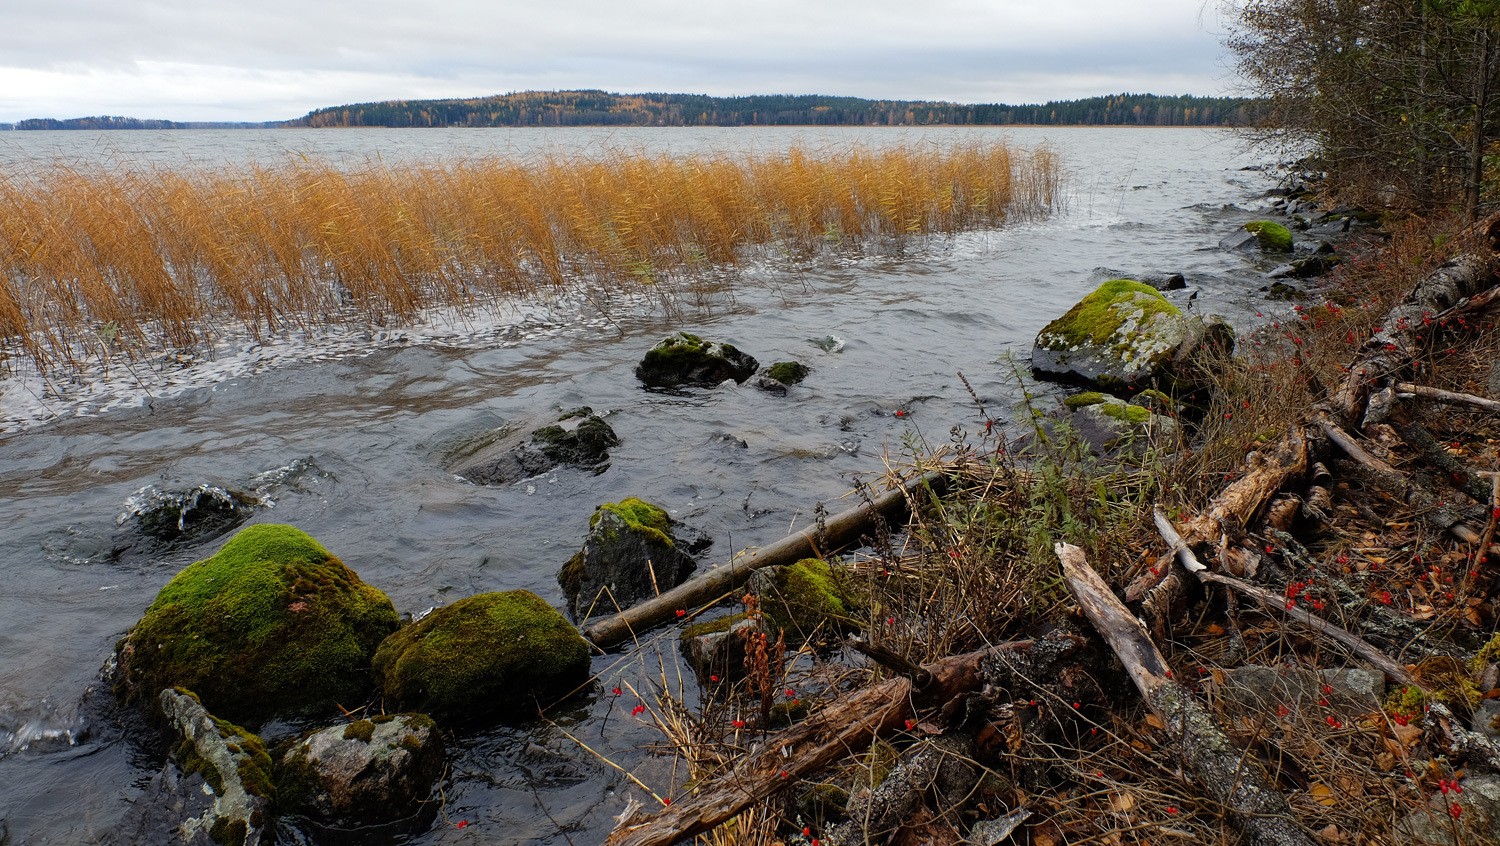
(837, 532)
(1450, 397)
(844, 728)
(1226, 773)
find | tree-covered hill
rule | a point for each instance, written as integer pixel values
(600, 108)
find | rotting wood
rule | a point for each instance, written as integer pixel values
(837, 532)
(1225, 772)
(1483, 550)
(1449, 289)
(1450, 397)
(845, 727)
(1237, 505)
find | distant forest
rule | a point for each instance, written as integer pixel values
(599, 108)
(116, 122)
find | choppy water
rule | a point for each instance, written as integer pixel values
(343, 437)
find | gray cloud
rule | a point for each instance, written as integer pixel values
(236, 60)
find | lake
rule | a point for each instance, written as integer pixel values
(343, 434)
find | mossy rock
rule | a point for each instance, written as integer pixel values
(1109, 425)
(686, 359)
(1121, 336)
(1272, 236)
(805, 597)
(271, 624)
(633, 551)
(491, 654)
(236, 772)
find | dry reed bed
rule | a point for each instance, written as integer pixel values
(100, 263)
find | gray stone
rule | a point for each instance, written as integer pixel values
(1478, 820)
(1239, 241)
(1487, 719)
(204, 797)
(941, 767)
(1112, 425)
(367, 772)
(1164, 281)
(718, 655)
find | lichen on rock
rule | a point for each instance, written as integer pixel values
(367, 772)
(805, 597)
(497, 653)
(579, 438)
(1118, 336)
(271, 624)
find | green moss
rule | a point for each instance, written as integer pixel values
(1271, 235)
(1100, 317)
(714, 626)
(272, 623)
(1406, 702)
(361, 730)
(788, 372)
(229, 832)
(1487, 654)
(1132, 414)
(823, 802)
(296, 780)
(876, 764)
(1084, 400)
(640, 516)
(807, 595)
(487, 653)
(382, 719)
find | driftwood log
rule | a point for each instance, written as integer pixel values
(838, 531)
(1233, 778)
(1450, 397)
(844, 728)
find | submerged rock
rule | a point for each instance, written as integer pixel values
(272, 624)
(216, 791)
(580, 438)
(367, 772)
(685, 359)
(157, 520)
(492, 654)
(1165, 281)
(634, 550)
(1123, 336)
(1315, 265)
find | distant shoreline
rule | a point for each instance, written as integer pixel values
(604, 109)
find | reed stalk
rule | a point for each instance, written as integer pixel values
(97, 263)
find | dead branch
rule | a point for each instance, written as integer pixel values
(838, 531)
(1230, 776)
(1451, 397)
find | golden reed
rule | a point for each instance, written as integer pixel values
(104, 262)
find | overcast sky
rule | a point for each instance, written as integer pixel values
(278, 59)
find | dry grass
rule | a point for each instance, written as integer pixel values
(98, 263)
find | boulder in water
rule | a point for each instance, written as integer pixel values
(633, 551)
(686, 359)
(1123, 336)
(495, 653)
(368, 772)
(272, 624)
(580, 438)
(216, 791)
